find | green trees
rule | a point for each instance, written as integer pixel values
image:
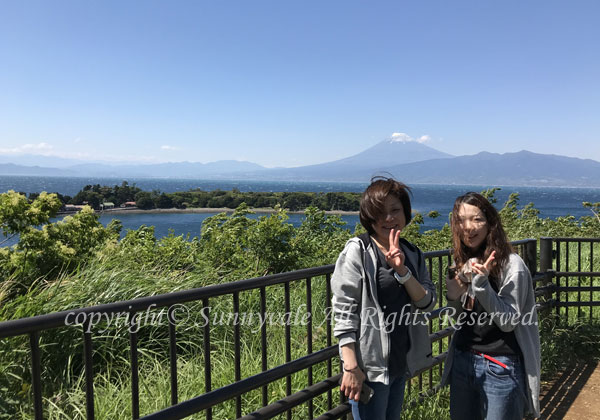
(45, 249)
(94, 195)
(144, 200)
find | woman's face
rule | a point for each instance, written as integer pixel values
(473, 225)
(392, 218)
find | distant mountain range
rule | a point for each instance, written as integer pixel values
(159, 170)
(410, 162)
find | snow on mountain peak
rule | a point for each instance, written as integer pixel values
(405, 138)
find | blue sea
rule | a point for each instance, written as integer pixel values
(551, 201)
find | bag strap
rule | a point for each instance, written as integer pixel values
(366, 241)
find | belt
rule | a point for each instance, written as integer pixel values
(490, 358)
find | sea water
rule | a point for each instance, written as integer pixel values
(551, 201)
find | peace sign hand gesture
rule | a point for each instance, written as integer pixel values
(484, 269)
(395, 256)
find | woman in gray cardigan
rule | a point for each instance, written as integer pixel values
(493, 364)
(378, 283)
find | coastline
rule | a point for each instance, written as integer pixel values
(260, 210)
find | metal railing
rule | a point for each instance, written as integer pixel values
(424, 383)
(563, 261)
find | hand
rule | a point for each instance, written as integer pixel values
(455, 287)
(395, 256)
(484, 269)
(352, 383)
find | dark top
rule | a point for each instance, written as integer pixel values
(485, 337)
(393, 297)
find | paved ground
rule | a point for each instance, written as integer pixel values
(573, 395)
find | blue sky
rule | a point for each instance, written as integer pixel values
(288, 83)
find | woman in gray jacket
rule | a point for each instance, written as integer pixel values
(379, 283)
(493, 363)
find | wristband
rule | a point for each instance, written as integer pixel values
(403, 279)
(349, 370)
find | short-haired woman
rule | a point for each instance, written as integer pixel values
(493, 364)
(379, 281)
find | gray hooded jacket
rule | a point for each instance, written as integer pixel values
(360, 319)
(515, 306)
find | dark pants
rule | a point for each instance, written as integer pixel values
(385, 404)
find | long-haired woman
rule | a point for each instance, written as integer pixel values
(493, 364)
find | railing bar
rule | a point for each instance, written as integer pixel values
(343, 398)
(579, 278)
(449, 263)
(591, 278)
(568, 239)
(341, 411)
(207, 364)
(288, 344)
(591, 256)
(438, 335)
(294, 400)
(227, 392)
(263, 341)
(558, 297)
(576, 274)
(173, 354)
(430, 324)
(567, 279)
(439, 253)
(133, 355)
(329, 338)
(573, 303)
(237, 351)
(440, 299)
(89, 371)
(57, 319)
(309, 340)
(575, 289)
(36, 374)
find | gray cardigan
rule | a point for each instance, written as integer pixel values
(514, 305)
(360, 319)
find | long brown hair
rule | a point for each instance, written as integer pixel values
(496, 239)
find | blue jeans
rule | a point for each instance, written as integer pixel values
(385, 404)
(482, 389)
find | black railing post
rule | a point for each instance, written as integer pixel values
(133, 356)
(309, 339)
(207, 366)
(36, 373)
(173, 354)
(288, 344)
(237, 351)
(531, 255)
(89, 371)
(263, 343)
(545, 254)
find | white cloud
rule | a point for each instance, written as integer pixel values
(405, 138)
(36, 149)
(424, 139)
(167, 147)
